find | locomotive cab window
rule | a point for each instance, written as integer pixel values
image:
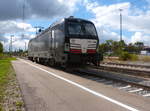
(81, 28)
(89, 29)
(75, 28)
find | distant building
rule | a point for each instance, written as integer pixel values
(145, 51)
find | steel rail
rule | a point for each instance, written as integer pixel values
(125, 64)
(115, 78)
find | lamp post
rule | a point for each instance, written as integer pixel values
(120, 10)
(25, 45)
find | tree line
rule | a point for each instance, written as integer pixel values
(115, 48)
(110, 47)
(1, 47)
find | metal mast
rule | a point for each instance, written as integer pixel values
(11, 41)
(120, 24)
(25, 46)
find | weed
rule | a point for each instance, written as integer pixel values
(19, 104)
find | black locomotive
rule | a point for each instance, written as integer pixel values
(68, 41)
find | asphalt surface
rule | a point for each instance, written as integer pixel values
(47, 89)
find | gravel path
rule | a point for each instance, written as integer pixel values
(13, 100)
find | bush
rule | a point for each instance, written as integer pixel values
(1, 47)
(134, 57)
(3, 56)
(125, 56)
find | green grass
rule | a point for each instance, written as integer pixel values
(5, 70)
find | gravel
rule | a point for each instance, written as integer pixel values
(13, 100)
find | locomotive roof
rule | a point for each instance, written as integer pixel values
(52, 25)
(61, 21)
(69, 18)
(77, 19)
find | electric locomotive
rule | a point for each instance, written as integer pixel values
(68, 41)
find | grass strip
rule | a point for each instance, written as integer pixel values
(5, 70)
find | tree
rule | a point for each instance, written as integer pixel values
(122, 44)
(109, 44)
(130, 48)
(103, 48)
(1, 47)
(116, 48)
(121, 47)
(139, 46)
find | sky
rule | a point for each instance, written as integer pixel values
(104, 14)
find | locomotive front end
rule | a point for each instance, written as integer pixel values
(81, 42)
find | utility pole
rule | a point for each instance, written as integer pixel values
(25, 46)
(120, 24)
(10, 46)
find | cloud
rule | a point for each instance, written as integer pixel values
(11, 12)
(138, 23)
(3, 38)
(108, 17)
(18, 41)
(15, 27)
(105, 34)
(24, 37)
(13, 9)
(10, 9)
(148, 1)
(20, 44)
(138, 36)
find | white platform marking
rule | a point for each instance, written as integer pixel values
(136, 90)
(146, 95)
(128, 86)
(86, 89)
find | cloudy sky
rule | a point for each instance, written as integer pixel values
(104, 13)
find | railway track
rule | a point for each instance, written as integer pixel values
(130, 69)
(127, 65)
(125, 83)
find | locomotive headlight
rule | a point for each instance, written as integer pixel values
(67, 48)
